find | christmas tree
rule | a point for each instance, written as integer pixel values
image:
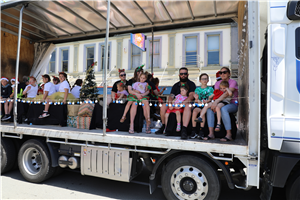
(89, 88)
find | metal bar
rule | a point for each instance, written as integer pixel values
(58, 17)
(152, 51)
(74, 13)
(18, 136)
(115, 7)
(44, 21)
(30, 24)
(219, 158)
(24, 29)
(98, 13)
(163, 5)
(14, 33)
(190, 9)
(215, 8)
(17, 68)
(141, 9)
(105, 69)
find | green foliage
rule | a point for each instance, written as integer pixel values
(89, 88)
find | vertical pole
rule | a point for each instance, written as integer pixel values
(152, 52)
(17, 67)
(105, 70)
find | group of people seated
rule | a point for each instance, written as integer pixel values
(222, 100)
(139, 90)
(30, 90)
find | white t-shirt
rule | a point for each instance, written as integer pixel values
(57, 87)
(63, 86)
(50, 88)
(33, 91)
(76, 91)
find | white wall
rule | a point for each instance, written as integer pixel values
(226, 53)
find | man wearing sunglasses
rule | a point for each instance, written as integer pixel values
(183, 79)
(114, 89)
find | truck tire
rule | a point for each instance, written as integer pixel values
(190, 177)
(34, 161)
(8, 155)
(292, 187)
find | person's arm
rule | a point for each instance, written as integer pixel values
(25, 91)
(12, 94)
(131, 91)
(66, 95)
(190, 98)
(170, 98)
(229, 92)
(113, 94)
(121, 96)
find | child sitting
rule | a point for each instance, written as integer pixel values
(76, 88)
(224, 88)
(31, 89)
(142, 88)
(122, 92)
(184, 90)
(5, 91)
(201, 97)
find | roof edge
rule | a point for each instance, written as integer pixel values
(11, 4)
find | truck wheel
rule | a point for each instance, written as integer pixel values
(34, 161)
(8, 155)
(292, 187)
(190, 177)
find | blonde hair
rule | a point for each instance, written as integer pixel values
(225, 84)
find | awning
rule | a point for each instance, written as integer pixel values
(62, 21)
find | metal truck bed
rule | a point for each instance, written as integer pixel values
(124, 138)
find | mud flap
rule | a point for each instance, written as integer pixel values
(152, 183)
(266, 188)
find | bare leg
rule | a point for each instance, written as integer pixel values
(10, 107)
(47, 107)
(178, 117)
(203, 121)
(6, 108)
(166, 119)
(163, 111)
(218, 111)
(204, 110)
(146, 109)
(127, 108)
(186, 115)
(132, 115)
(196, 111)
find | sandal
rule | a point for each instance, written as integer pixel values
(45, 114)
(199, 119)
(131, 131)
(218, 128)
(148, 130)
(225, 139)
(122, 119)
(207, 138)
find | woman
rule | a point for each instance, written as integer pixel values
(225, 110)
(136, 78)
(114, 89)
(62, 94)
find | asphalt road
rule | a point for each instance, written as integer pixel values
(72, 185)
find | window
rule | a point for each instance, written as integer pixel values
(135, 57)
(52, 62)
(156, 53)
(213, 49)
(191, 51)
(103, 56)
(90, 56)
(65, 59)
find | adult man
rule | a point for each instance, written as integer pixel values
(183, 77)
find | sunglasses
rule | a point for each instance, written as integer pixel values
(223, 72)
(181, 74)
(122, 74)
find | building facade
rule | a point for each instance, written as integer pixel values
(201, 49)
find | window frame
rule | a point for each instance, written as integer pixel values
(49, 65)
(184, 36)
(61, 49)
(206, 35)
(85, 55)
(148, 60)
(100, 56)
(130, 55)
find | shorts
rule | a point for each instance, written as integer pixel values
(225, 103)
(135, 99)
(174, 110)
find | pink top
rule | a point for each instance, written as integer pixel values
(123, 92)
(180, 98)
(141, 87)
(232, 84)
